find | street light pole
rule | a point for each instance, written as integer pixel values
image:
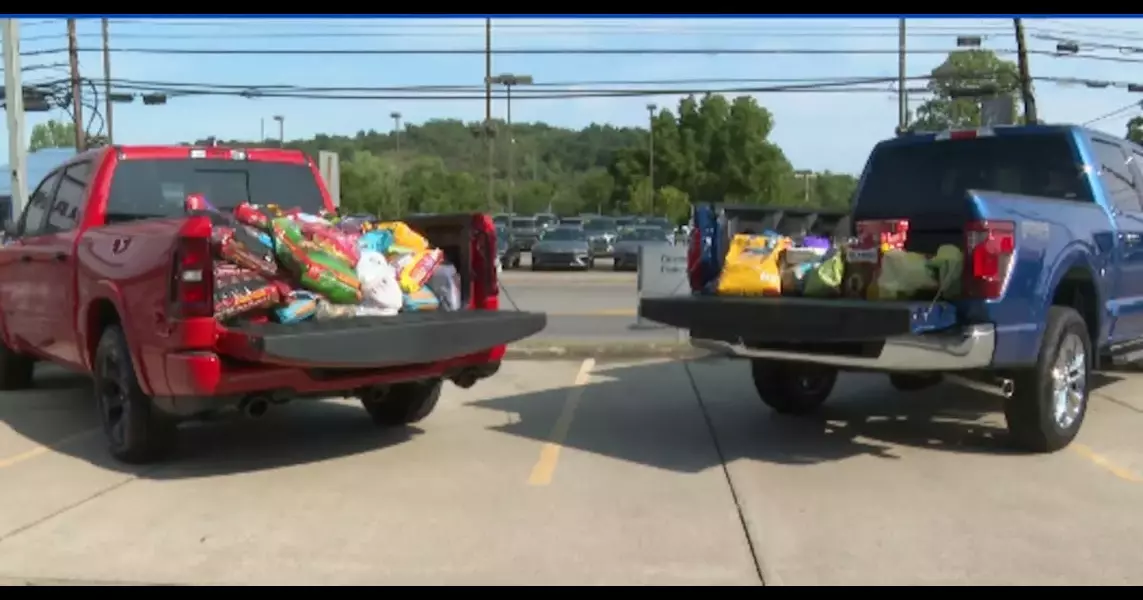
(397, 127)
(509, 80)
(651, 108)
(806, 176)
(281, 130)
(489, 142)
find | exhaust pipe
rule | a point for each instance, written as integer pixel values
(255, 407)
(998, 386)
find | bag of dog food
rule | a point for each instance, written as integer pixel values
(404, 236)
(253, 216)
(414, 270)
(238, 291)
(316, 271)
(299, 306)
(247, 248)
(331, 241)
(375, 241)
(445, 284)
(752, 266)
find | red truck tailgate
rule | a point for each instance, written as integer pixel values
(368, 342)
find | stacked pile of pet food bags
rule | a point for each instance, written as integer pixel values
(874, 266)
(289, 266)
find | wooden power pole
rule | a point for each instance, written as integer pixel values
(1025, 77)
(76, 90)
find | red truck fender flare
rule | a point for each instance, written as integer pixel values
(109, 292)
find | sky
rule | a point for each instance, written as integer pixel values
(818, 131)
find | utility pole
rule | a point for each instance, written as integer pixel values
(397, 127)
(76, 90)
(262, 130)
(489, 142)
(651, 108)
(902, 92)
(14, 103)
(107, 82)
(1025, 78)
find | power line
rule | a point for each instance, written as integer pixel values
(1115, 113)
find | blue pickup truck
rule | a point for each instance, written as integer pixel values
(1050, 219)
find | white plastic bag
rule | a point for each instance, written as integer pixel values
(381, 294)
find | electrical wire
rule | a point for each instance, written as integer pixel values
(1115, 113)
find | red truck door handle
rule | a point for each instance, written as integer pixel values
(61, 257)
(25, 258)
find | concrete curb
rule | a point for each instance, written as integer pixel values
(607, 350)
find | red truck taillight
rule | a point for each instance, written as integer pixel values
(486, 287)
(989, 247)
(193, 293)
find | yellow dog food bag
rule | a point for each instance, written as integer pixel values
(404, 236)
(752, 266)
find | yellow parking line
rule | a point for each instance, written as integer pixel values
(39, 450)
(1104, 463)
(545, 467)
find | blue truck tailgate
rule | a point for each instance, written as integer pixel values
(808, 320)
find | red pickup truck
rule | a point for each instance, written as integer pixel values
(106, 273)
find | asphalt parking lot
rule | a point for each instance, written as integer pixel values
(581, 473)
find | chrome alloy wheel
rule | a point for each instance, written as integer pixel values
(1069, 381)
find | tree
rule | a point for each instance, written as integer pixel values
(713, 149)
(964, 70)
(53, 134)
(1135, 130)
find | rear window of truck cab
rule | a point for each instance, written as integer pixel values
(932, 176)
(158, 188)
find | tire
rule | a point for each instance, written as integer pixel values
(1035, 421)
(136, 432)
(904, 382)
(16, 370)
(403, 403)
(516, 262)
(792, 388)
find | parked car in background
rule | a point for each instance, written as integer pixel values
(631, 239)
(507, 257)
(501, 219)
(571, 221)
(546, 221)
(563, 247)
(523, 233)
(601, 232)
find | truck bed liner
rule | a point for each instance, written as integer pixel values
(404, 339)
(797, 319)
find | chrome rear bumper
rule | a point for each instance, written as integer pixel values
(964, 349)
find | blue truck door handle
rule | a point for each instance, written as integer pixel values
(1131, 238)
